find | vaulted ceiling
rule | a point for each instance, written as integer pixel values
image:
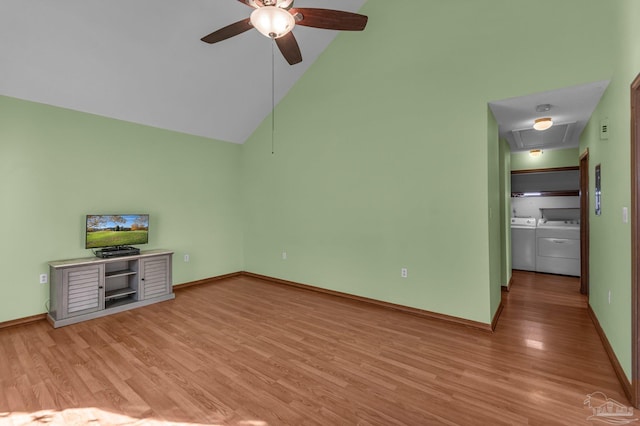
(143, 61)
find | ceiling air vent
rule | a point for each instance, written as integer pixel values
(529, 138)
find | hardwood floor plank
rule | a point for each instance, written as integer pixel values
(243, 351)
(164, 407)
(63, 383)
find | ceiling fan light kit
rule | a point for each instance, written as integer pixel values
(542, 123)
(276, 18)
(272, 21)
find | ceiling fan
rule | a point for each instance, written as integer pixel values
(276, 18)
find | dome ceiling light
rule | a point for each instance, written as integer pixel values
(545, 122)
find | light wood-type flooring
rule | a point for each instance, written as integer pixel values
(242, 351)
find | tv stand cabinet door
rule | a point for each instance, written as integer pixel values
(155, 276)
(82, 290)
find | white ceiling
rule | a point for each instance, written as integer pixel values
(143, 61)
(571, 109)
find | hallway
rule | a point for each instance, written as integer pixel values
(546, 329)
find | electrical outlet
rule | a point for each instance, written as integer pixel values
(43, 278)
(404, 273)
(186, 258)
(609, 296)
(284, 255)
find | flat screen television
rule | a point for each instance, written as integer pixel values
(116, 230)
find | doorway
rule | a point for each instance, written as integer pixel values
(584, 222)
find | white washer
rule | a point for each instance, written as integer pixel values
(558, 247)
(523, 243)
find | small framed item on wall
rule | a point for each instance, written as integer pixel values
(598, 191)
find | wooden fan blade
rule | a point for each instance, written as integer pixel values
(228, 31)
(252, 3)
(329, 19)
(289, 48)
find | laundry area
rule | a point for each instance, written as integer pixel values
(545, 222)
(541, 135)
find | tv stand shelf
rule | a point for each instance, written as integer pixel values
(119, 273)
(87, 288)
(113, 294)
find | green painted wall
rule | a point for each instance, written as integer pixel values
(381, 148)
(610, 238)
(57, 165)
(549, 159)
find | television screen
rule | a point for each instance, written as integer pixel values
(116, 230)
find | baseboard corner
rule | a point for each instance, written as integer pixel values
(496, 316)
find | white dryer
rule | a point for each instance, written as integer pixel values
(558, 246)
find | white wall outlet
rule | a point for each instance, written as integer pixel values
(625, 215)
(43, 278)
(186, 258)
(609, 296)
(404, 273)
(284, 255)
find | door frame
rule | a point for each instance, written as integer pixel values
(584, 222)
(635, 239)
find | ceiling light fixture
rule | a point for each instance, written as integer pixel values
(543, 123)
(535, 153)
(273, 22)
(276, 19)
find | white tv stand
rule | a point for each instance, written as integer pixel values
(87, 288)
